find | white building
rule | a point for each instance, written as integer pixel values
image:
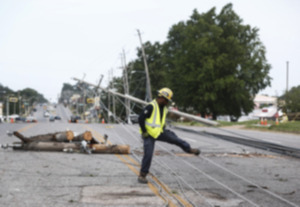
(266, 107)
(261, 100)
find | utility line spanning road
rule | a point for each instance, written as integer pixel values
(225, 174)
(249, 141)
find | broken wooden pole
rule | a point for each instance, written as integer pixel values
(87, 136)
(111, 149)
(64, 136)
(49, 146)
(58, 137)
(65, 141)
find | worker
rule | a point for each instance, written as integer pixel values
(152, 121)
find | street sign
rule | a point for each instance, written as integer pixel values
(13, 99)
(90, 100)
(97, 101)
(1, 109)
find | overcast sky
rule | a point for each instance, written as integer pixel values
(45, 43)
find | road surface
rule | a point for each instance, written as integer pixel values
(225, 174)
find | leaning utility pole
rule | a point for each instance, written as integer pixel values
(97, 94)
(171, 110)
(148, 85)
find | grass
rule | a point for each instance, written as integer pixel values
(291, 126)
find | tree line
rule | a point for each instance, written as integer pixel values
(25, 97)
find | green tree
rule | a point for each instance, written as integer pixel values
(292, 100)
(215, 63)
(67, 91)
(27, 95)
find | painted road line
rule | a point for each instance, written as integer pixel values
(150, 185)
(132, 164)
(26, 128)
(98, 136)
(168, 191)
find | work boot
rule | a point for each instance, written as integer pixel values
(142, 178)
(195, 151)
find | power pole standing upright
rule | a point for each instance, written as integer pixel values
(7, 108)
(114, 103)
(83, 90)
(287, 76)
(127, 101)
(108, 99)
(148, 85)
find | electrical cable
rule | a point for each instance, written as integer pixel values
(248, 181)
(163, 165)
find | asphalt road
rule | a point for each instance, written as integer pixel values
(225, 174)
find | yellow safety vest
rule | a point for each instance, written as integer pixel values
(154, 125)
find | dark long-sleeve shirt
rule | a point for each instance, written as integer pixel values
(146, 113)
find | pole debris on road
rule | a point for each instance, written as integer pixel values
(66, 142)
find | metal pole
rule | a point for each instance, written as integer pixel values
(7, 108)
(148, 85)
(287, 76)
(14, 107)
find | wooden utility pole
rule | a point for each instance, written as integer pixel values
(97, 94)
(108, 99)
(171, 110)
(126, 87)
(148, 84)
(287, 76)
(66, 141)
(113, 96)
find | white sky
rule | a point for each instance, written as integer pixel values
(45, 43)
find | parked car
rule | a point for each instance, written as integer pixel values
(74, 119)
(57, 117)
(52, 118)
(46, 114)
(20, 119)
(134, 118)
(31, 119)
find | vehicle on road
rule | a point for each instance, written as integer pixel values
(31, 119)
(74, 119)
(46, 114)
(52, 118)
(134, 118)
(57, 118)
(20, 119)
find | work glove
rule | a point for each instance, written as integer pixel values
(145, 135)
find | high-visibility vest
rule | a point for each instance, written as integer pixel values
(154, 125)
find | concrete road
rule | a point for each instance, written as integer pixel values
(225, 174)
